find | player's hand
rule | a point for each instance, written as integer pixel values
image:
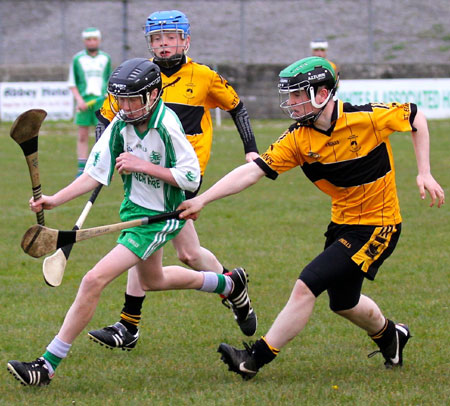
(127, 163)
(82, 106)
(191, 209)
(43, 203)
(427, 182)
(251, 156)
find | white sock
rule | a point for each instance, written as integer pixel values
(59, 348)
(216, 283)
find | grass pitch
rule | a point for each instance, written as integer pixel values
(272, 229)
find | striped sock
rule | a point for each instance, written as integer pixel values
(263, 352)
(56, 351)
(130, 316)
(216, 283)
(385, 336)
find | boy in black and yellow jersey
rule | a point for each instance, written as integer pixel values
(345, 151)
(191, 90)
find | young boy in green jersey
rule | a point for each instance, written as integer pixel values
(147, 146)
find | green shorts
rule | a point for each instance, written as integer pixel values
(146, 239)
(88, 118)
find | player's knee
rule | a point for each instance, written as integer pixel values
(188, 257)
(153, 284)
(301, 293)
(93, 281)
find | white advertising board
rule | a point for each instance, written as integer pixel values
(53, 97)
(432, 96)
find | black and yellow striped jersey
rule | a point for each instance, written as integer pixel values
(352, 162)
(194, 90)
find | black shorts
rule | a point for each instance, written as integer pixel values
(351, 253)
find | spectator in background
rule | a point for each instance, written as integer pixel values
(319, 47)
(88, 78)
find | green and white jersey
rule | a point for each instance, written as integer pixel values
(90, 74)
(163, 143)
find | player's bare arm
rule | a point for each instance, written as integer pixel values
(78, 187)
(425, 180)
(251, 156)
(234, 182)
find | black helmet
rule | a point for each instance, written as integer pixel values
(136, 77)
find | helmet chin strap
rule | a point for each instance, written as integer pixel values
(321, 106)
(313, 99)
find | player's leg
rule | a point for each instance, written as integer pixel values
(82, 147)
(294, 316)
(370, 248)
(108, 268)
(41, 371)
(289, 322)
(347, 301)
(124, 334)
(117, 335)
(188, 248)
(390, 337)
(191, 253)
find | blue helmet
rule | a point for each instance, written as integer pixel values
(171, 20)
(166, 22)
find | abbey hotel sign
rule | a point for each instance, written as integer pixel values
(53, 97)
(432, 96)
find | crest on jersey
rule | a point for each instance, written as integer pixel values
(189, 92)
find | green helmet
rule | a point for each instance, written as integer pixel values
(307, 74)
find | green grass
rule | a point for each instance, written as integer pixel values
(272, 229)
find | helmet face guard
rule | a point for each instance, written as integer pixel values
(299, 111)
(308, 75)
(166, 23)
(134, 108)
(131, 86)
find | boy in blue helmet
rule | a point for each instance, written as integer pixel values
(191, 90)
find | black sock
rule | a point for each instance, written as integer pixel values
(385, 336)
(262, 353)
(131, 312)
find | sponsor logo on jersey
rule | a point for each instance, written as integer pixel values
(141, 147)
(155, 158)
(148, 180)
(332, 143)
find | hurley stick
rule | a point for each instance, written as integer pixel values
(40, 240)
(54, 266)
(25, 132)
